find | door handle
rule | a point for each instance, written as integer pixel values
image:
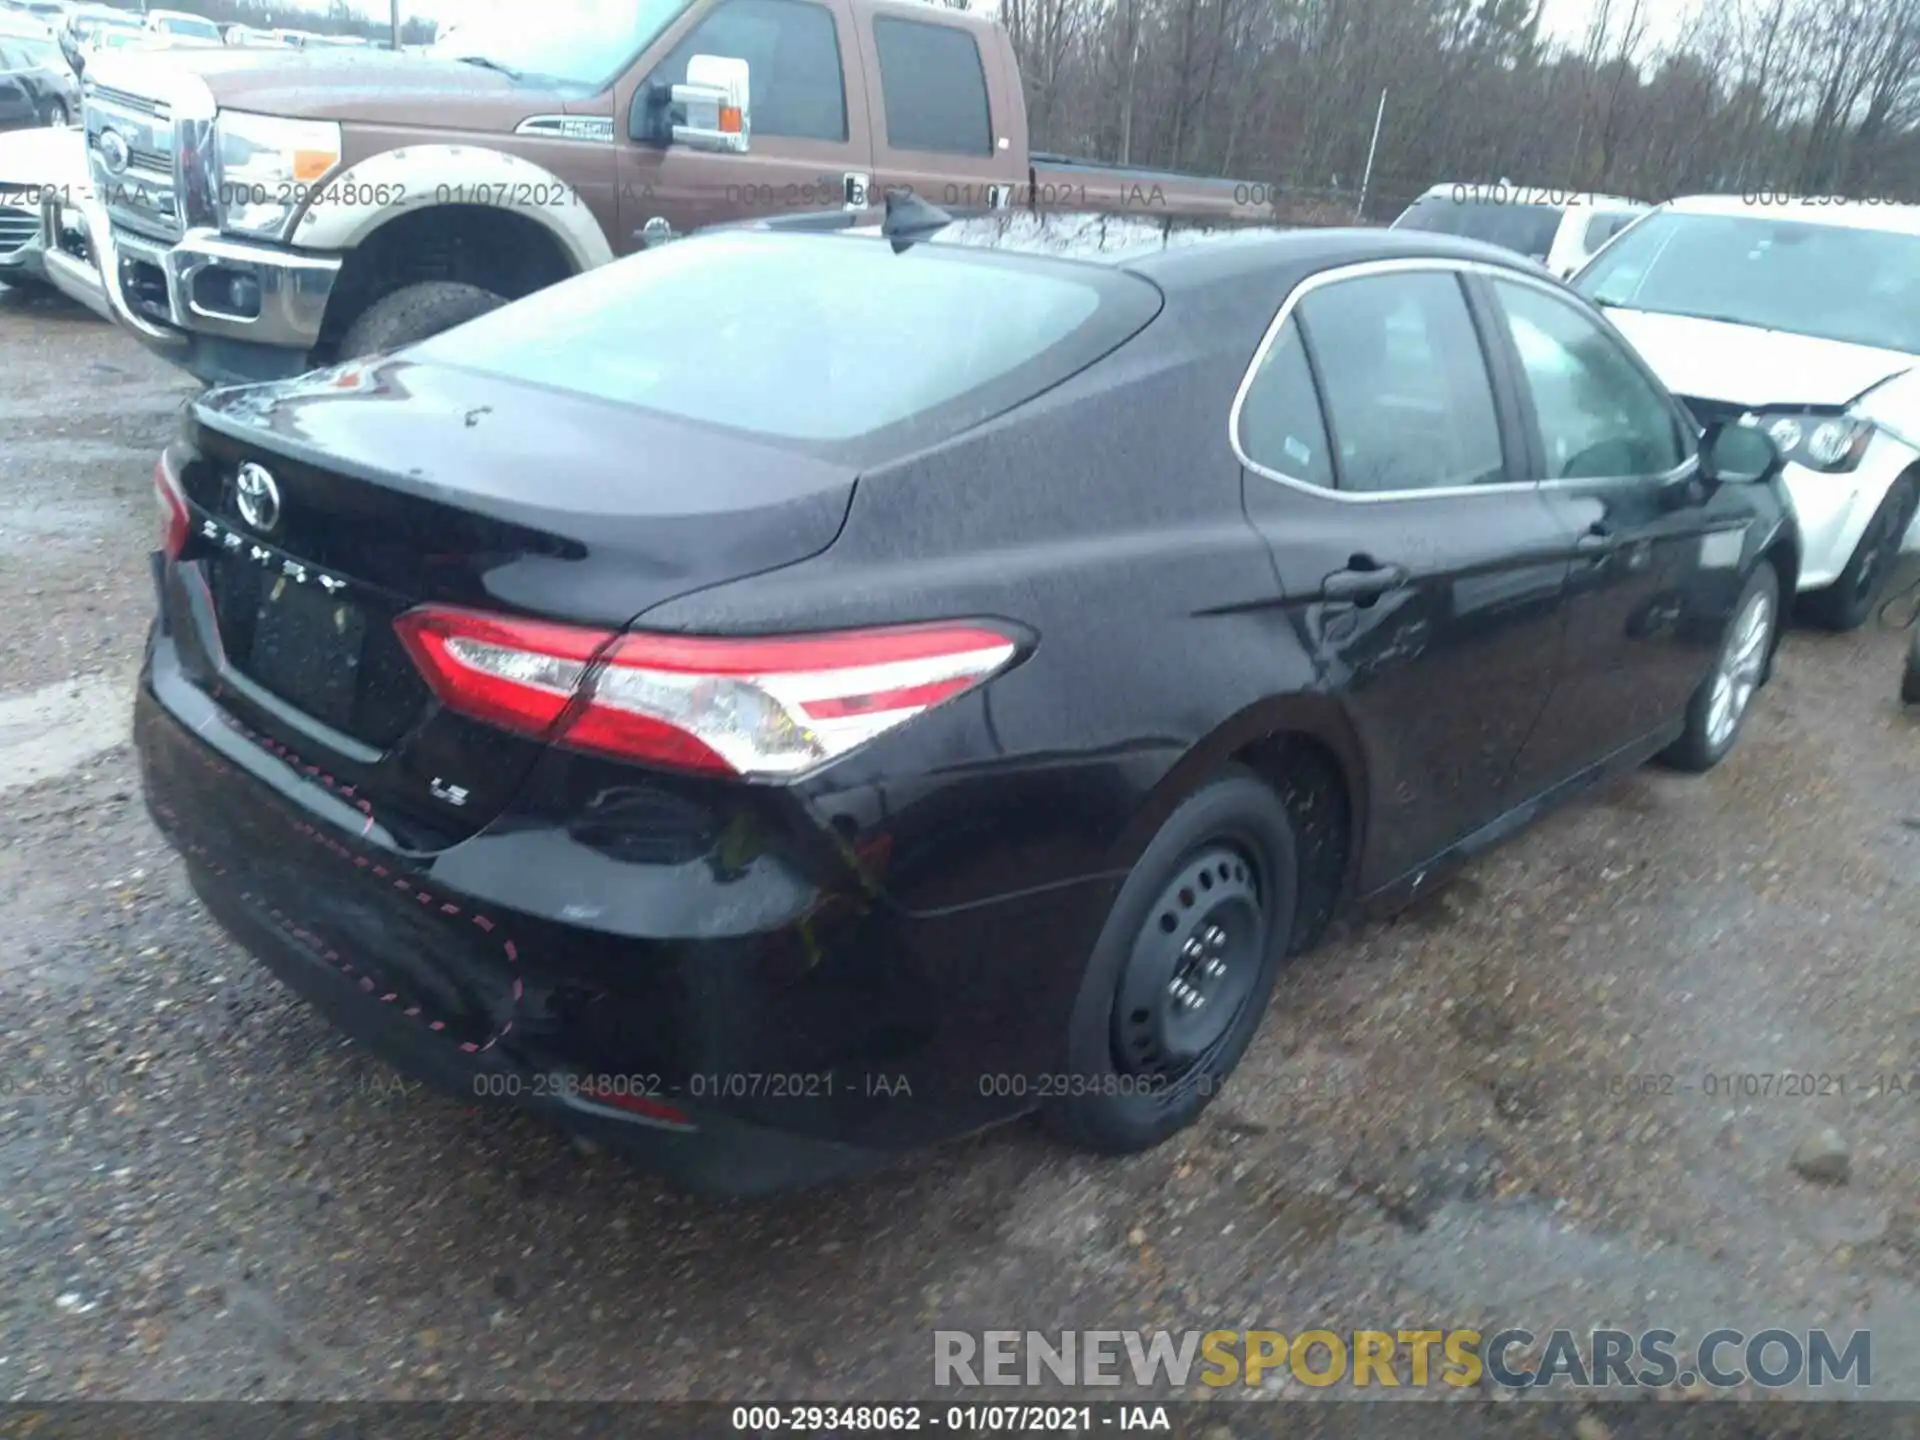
(1363, 582)
(1597, 543)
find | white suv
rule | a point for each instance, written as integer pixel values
(1561, 229)
(1803, 317)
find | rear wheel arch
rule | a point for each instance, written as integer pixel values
(1304, 748)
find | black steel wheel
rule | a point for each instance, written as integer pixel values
(1192, 966)
(1182, 971)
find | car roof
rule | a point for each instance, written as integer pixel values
(1171, 250)
(1852, 214)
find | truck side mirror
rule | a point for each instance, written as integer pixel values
(714, 101)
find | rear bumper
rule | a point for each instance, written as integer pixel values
(167, 295)
(717, 1156)
(767, 1051)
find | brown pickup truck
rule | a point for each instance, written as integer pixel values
(256, 212)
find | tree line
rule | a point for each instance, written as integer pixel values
(1803, 96)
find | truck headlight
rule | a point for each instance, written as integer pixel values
(1833, 443)
(268, 167)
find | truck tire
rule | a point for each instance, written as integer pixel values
(1910, 682)
(415, 313)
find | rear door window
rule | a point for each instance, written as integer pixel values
(934, 88)
(1529, 229)
(1281, 427)
(1404, 378)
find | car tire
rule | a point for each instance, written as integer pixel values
(415, 313)
(1849, 601)
(1210, 906)
(54, 113)
(1910, 682)
(1719, 708)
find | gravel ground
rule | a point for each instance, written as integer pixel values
(206, 1193)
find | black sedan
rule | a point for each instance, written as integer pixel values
(37, 86)
(818, 688)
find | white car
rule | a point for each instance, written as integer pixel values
(33, 165)
(1562, 229)
(1802, 317)
(184, 31)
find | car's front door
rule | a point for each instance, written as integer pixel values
(1423, 574)
(810, 142)
(1617, 460)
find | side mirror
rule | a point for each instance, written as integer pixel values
(1738, 454)
(714, 100)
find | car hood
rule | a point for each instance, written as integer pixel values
(1746, 365)
(377, 87)
(43, 157)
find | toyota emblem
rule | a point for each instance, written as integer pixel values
(115, 153)
(259, 497)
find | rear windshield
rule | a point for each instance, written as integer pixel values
(188, 25)
(809, 338)
(1528, 229)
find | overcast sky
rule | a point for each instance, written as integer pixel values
(1565, 20)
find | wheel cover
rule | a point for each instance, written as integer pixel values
(1743, 659)
(1193, 965)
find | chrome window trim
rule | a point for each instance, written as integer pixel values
(1414, 264)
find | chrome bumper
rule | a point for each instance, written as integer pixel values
(25, 259)
(294, 287)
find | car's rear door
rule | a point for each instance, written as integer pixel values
(1425, 575)
(1615, 456)
(943, 110)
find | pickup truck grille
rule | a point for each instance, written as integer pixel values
(144, 195)
(17, 227)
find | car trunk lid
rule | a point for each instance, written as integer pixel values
(476, 492)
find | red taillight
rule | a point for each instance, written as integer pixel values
(763, 708)
(175, 520)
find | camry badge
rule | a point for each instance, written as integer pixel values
(259, 497)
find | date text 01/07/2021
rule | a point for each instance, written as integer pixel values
(1760, 1084)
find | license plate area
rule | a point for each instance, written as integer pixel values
(334, 657)
(306, 647)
